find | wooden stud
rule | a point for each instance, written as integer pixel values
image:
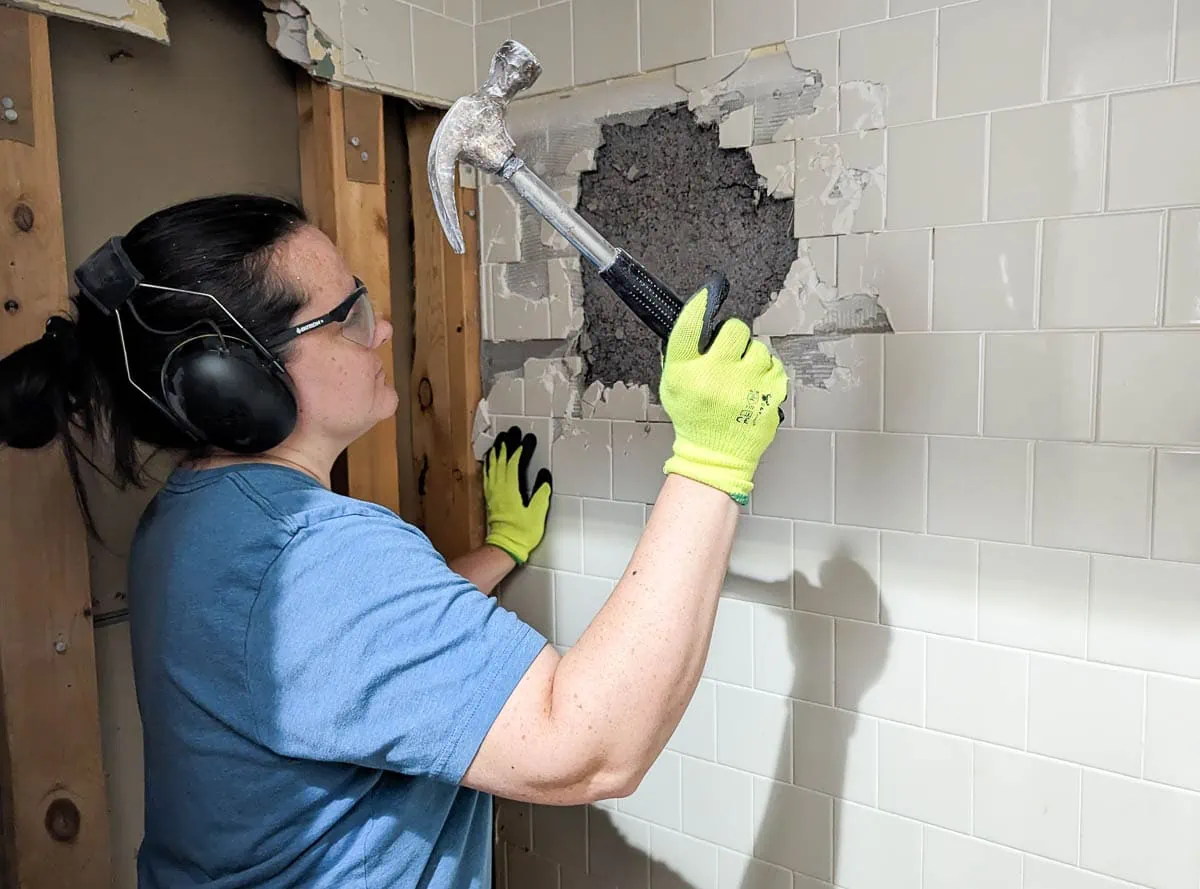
(54, 829)
(446, 384)
(353, 213)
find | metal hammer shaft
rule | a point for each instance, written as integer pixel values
(650, 299)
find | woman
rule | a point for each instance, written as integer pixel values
(325, 701)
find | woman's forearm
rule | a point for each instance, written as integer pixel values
(634, 670)
(485, 567)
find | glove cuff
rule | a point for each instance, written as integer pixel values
(515, 551)
(717, 470)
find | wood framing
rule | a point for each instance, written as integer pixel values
(53, 809)
(343, 170)
(446, 377)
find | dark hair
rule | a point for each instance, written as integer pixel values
(73, 381)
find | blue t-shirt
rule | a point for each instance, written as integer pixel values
(313, 680)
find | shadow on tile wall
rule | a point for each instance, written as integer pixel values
(797, 831)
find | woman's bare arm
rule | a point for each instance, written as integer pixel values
(485, 567)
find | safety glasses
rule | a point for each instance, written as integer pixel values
(354, 313)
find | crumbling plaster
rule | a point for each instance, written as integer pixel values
(778, 105)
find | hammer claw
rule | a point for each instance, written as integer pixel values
(442, 162)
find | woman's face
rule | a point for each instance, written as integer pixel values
(341, 388)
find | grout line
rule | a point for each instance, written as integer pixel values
(1164, 245)
(1145, 721)
(987, 167)
(1106, 153)
(1094, 405)
(937, 52)
(1153, 502)
(1046, 52)
(1030, 459)
(1173, 61)
(981, 390)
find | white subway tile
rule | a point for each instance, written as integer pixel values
(836, 570)
(746, 24)
(984, 276)
(1182, 303)
(562, 544)
(976, 691)
(794, 479)
(581, 456)
(795, 828)
(1086, 35)
(1173, 732)
(928, 583)
(931, 383)
(880, 672)
(718, 805)
(681, 862)
(949, 152)
(817, 54)
(560, 834)
(664, 42)
(611, 532)
(1101, 271)
(990, 55)
(736, 871)
(891, 265)
(839, 184)
(617, 846)
(730, 652)
(793, 654)
(1177, 506)
(494, 9)
(754, 732)
(1086, 713)
(1033, 598)
(876, 850)
(1187, 40)
(852, 397)
(639, 452)
(606, 39)
(836, 752)
(1151, 162)
(1094, 498)
(443, 53)
(461, 10)
(954, 861)
(879, 480)
(547, 33)
(925, 776)
(1027, 802)
(540, 429)
(383, 35)
(1039, 385)
(760, 564)
(531, 871)
(696, 734)
(657, 797)
(818, 16)
(1047, 160)
(1041, 873)
(577, 601)
(1139, 832)
(1147, 387)
(507, 396)
(898, 53)
(530, 593)
(1143, 614)
(977, 488)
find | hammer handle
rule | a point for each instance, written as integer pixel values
(650, 299)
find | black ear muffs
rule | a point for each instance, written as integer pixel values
(228, 394)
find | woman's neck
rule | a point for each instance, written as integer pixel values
(280, 456)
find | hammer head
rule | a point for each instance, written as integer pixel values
(474, 131)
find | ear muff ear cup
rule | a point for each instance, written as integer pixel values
(228, 394)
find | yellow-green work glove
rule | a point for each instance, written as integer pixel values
(516, 517)
(724, 401)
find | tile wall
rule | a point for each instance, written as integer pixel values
(959, 646)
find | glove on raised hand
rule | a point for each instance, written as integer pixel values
(516, 517)
(723, 401)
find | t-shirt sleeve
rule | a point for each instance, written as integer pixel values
(364, 647)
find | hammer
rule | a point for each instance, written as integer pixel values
(474, 130)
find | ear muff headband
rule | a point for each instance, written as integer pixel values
(222, 390)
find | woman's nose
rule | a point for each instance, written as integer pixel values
(383, 332)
